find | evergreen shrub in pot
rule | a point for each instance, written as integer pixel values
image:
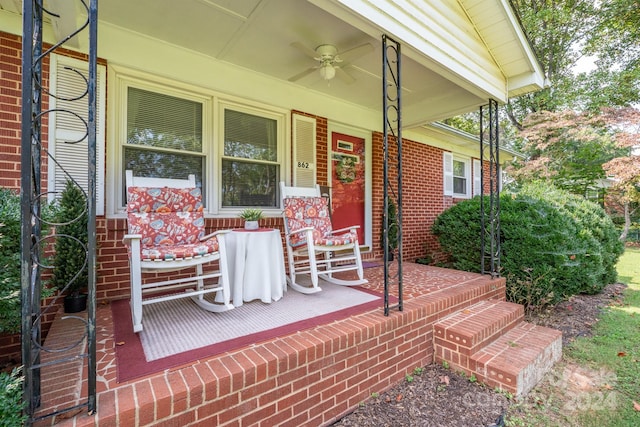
(70, 273)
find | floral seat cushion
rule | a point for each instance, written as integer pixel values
(171, 222)
(303, 212)
(177, 252)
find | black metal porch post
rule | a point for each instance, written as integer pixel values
(490, 218)
(392, 132)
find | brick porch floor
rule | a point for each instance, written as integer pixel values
(311, 377)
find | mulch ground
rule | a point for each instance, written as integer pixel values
(440, 397)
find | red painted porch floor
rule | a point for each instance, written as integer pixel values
(434, 292)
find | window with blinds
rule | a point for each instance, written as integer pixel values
(235, 150)
(250, 168)
(457, 176)
(164, 136)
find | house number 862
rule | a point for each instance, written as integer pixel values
(303, 165)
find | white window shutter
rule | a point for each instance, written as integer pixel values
(64, 127)
(304, 151)
(447, 167)
(477, 174)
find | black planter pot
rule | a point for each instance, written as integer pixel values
(75, 303)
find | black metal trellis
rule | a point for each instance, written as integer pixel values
(33, 243)
(490, 216)
(392, 171)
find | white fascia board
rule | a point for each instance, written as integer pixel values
(530, 75)
(440, 51)
(446, 137)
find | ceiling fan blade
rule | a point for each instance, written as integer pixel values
(304, 49)
(344, 76)
(302, 74)
(356, 52)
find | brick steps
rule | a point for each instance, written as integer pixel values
(491, 341)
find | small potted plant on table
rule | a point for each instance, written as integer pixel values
(70, 273)
(251, 217)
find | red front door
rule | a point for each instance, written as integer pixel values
(347, 182)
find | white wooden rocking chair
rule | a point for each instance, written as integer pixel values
(166, 233)
(314, 249)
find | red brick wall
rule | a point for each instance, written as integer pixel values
(10, 110)
(11, 104)
(422, 195)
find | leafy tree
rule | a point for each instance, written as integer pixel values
(583, 151)
(566, 148)
(469, 122)
(625, 170)
(615, 42)
(564, 31)
(556, 29)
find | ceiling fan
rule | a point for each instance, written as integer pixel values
(330, 60)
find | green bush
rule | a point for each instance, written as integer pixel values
(593, 220)
(70, 273)
(10, 260)
(11, 403)
(553, 244)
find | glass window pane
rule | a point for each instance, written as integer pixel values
(158, 120)
(459, 185)
(458, 168)
(154, 164)
(250, 137)
(249, 184)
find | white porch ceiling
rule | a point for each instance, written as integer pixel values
(257, 35)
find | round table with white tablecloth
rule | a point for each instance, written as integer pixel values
(256, 265)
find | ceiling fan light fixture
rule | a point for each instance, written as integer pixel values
(327, 71)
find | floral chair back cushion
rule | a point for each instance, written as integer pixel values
(167, 217)
(302, 212)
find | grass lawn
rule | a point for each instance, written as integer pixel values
(598, 381)
(615, 347)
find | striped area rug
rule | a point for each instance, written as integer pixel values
(178, 331)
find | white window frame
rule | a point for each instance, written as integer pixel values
(57, 134)
(280, 117)
(448, 176)
(213, 107)
(477, 177)
(119, 133)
